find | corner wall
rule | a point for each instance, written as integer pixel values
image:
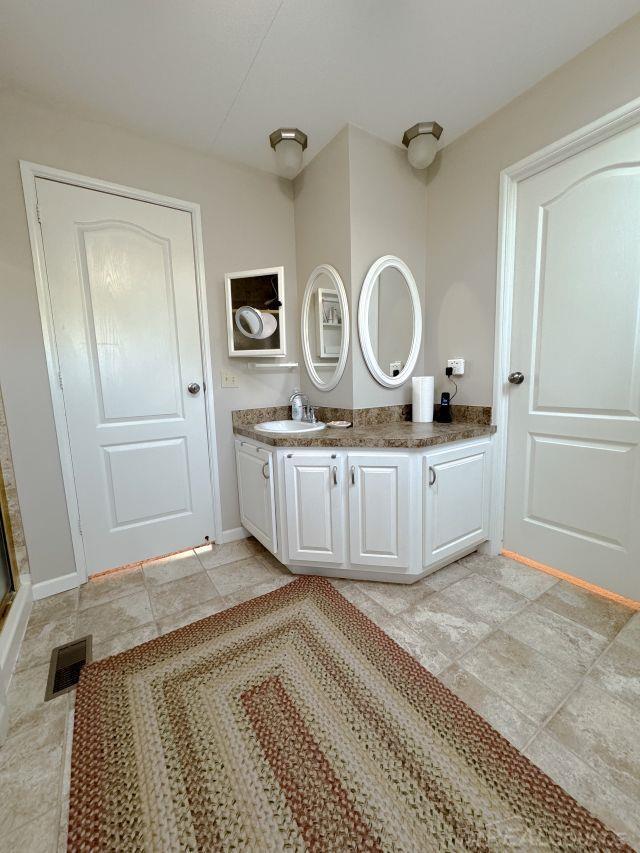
(357, 200)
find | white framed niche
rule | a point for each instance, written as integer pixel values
(256, 325)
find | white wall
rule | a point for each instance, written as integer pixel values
(359, 199)
(321, 206)
(462, 193)
(388, 217)
(247, 222)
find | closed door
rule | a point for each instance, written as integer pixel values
(315, 508)
(573, 469)
(379, 509)
(255, 489)
(121, 277)
(456, 500)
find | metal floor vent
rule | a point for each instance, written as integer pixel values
(65, 667)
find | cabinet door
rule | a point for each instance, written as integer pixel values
(456, 500)
(379, 509)
(255, 489)
(315, 507)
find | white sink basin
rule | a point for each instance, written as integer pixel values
(288, 427)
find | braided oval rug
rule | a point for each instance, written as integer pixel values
(291, 722)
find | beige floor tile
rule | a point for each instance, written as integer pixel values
(556, 637)
(613, 806)
(171, 568)
(424, 651)
(442, 578)
(40, 639)
(604, 733)
(486, 598)
(512, 724)
(30, 786)
(123, 642)
(394, 597)
(115, 617)
(232, 577)
(25, 701)
(273, 562)
(248, 592)
(446, 622)
(37, 836)
(618, 673)
(55, 607)
(534, 684)
(192, 614)
(105, 588)
(218, 555)
(173, 597)
(601, 614)
(515, 576)
(630, 634)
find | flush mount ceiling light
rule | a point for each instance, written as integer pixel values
(421, 142)
(288, 143)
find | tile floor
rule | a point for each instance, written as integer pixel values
(554, 668)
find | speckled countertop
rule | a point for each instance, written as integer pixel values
(397, 434)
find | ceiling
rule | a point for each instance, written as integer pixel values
(220, 75)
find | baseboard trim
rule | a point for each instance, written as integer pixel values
(234, 534)
(43, 589)
(13, 631)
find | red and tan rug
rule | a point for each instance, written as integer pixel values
(292, 722)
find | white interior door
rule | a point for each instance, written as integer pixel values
(315, 507)
(379, 509)
(122, 282)
(573, 467)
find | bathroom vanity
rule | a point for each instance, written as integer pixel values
(387, 501)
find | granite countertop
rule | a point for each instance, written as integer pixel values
(396, 434)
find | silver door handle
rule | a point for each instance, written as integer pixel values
(193, 388)
(335, 475)
(516, 378)
(432, 476)
(265, 474)
(353, 475)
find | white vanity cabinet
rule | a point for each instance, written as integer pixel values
(456, 500)
(390, 514)
(256, 491)
(379, 508)
(314, 506)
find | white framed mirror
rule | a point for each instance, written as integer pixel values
(325, 327)
(390, 321)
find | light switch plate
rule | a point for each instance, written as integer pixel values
(458, 366)
(230, 380)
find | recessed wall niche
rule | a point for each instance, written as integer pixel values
(256, 313)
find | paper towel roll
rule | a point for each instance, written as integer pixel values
(422, 409)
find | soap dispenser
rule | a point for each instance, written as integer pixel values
(297, 404)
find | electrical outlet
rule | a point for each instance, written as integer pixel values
(394, 368)
(458, 366)
(230, 380)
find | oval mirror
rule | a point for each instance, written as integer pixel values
(325, 327)
(390, 321)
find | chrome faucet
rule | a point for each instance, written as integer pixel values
(309, 414)
(299, 404)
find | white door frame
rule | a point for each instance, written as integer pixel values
(29, 172)
(586, 137)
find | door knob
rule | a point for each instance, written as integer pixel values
(193, 388)
(516, 378)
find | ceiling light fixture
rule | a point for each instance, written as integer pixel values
(288, 143)
(421, 142)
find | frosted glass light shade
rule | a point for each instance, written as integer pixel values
(288, 157)
(422, 150)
